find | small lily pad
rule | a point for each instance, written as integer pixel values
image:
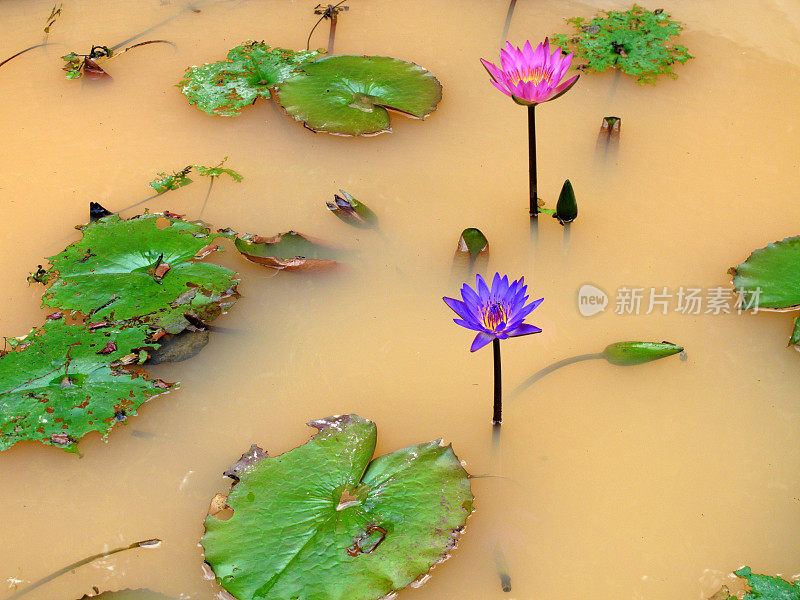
(251, 70)
(350, 95)
(60, 382)
(146, 269)
(472, 241)
(770, 277)
(322, 521)
(768, 588)
(290, 251)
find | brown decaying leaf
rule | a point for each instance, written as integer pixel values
(249, 458)
(92, 70)
(299, 264)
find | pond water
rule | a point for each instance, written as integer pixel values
(650, 482)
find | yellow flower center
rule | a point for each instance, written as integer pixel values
(493, 315)
(535, 75)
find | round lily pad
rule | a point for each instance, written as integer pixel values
(146, 269)
(224, 88)
(322, 522)
(770, 277)
(349, 95)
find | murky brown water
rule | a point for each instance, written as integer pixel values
(643, 483)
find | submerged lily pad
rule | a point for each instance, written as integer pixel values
(290, 251)
(323, 522)
(145, 269)
(59, 383)
(770, 277)
(224, 88)
(349, 95)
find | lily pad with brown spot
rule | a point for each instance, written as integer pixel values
(59, 383)
(290, 251)
(324, 521)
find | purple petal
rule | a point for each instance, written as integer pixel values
(468, 325)
(563, 88)
(458, 307)
(496, 285)
(480, 341)
(524, 329)
(503, 87)
(483, 289)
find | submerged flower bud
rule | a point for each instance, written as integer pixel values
(636, 353)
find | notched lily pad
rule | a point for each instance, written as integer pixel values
(323, 521)
(145, 269)
(770, 277)
(60, 382)
(290, 251)
(350, 95)
(251, 70)
(473, 242)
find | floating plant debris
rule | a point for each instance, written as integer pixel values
(250, 71)
(55, 12)
(635, 41)
(61, 381)
(326, 521)
(350, 95)
(76, 65)
(351, 211)
(164, 183)
(290, 251)
(140, 594)
(155, 277)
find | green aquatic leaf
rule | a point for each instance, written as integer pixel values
(164, 183)
(217, 171)
(636, 41)
(290, 251)
(636, 353)
(251, 70)
(473, 241)
(60, 382)
(770, 277)
(768, 588)
(349, 95)
(145, 269)
(322, 522)
(351, 211)
(73, 65)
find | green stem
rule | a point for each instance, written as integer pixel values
(549, 369)
(80, 563)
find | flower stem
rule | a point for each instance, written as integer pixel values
(497, 412)
(549, 369)
(534, 195)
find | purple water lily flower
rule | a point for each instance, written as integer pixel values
(496, 313)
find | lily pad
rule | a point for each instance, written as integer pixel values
(768, 588)
(323, 522)
(145, 269)
(59, 383)
(290, 251)
(770, 277)
(350, 95)
(224, 88)
(473, 242)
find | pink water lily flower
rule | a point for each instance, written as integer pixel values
(531, 76)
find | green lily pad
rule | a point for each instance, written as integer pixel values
(59, 383)
(770, 277)
(322, 522)
(224, 88)
(145, 269)
(164, 183)
(626, 354)
(349, 95)
(473, 242)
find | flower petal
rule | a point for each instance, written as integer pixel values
(458, 307)
(480, 341)
(468, 325)
(483, 289)
(524, 329)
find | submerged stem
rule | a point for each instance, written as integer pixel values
(208, 193)
(509, 16)
(533, 184)
(332, 34)
(80, 563)
(23, 52)
(140, 202)
(497, 411)
(549, 369)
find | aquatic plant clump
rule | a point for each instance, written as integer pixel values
(635, 41)
(325, 521)
(145, 269)
(250, 71)
(351, 95)
(62, 381)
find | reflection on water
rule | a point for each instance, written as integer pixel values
(623, 483)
